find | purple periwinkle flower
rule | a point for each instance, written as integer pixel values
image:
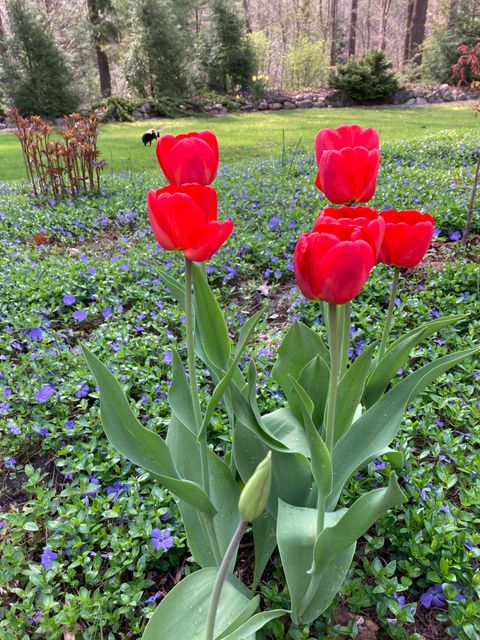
(153, 598)
(69, 299)
(83, 391)
(433, 597)
(161, 539)
(116, 489)
(44, 394)
(80, 315)
(36, 333)
(48, 556)
(10, 462)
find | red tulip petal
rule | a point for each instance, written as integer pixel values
(190, 160)
(337, 176)
(159, 223)
(163, 148)
(205, 241)
(184, 218)
(344, 270)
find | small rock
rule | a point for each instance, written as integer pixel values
(411, 102)
(420, 93)
(146, 107)
(462, 96)
(304, 104)
(335, 98)
(275, 106)
(263, 105)
(59, 122)
(421, 100)
(402, 96)
(246, 107)
(138, 115)
(288, 105)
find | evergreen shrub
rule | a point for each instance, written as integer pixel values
(367, 80)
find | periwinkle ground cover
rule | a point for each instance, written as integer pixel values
(86, 538)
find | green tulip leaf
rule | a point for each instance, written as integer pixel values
(140, 445)
(397, 354)
(256, 622)
(299, 346)
(244, 336)
(180, 396)
(250, 449)
(354, 523)
(296, 535)
(213, 332)
(377, 427)
(242, 617)
(314, 378)
(265, 541)
(320, 458)
(288, 430)
(350, 391)
(176, 289)
(184, 610)
(224, 492)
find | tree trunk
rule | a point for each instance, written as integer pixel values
(352, 37)
(383, 25)
(333, 33)
(102, 58)
(418, 30)
(103, 72)
(407, 47)
(248, 22)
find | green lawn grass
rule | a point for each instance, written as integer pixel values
(255, 135)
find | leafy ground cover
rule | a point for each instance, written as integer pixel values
(246, 136)
(88, 542)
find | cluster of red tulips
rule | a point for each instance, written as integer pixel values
(184, 214)
(332, 263)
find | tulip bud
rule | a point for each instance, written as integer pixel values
(254, 496)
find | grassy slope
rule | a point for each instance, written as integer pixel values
(257, 135)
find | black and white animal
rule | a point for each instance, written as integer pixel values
(149, 136)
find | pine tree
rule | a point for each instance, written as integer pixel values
(232, 60)
(155, 63)
(34, 71)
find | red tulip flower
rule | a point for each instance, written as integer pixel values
(407, 237)
(333, 262)
(189, 157)
(185, 218)
(365, 217)
(348, 159)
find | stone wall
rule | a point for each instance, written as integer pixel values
(277, 101)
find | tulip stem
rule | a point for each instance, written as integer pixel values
(221, 575)
(333, 382)
(347, 311)
(388, 319)
(196, 404)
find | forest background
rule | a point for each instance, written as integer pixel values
(91, 49)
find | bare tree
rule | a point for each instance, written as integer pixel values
(352, 36)
(333, 31)
(383, 24)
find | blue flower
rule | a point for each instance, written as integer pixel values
(433, 597)
(48, 556)
(83, 391)
(161, 539)
(116, 489)
(80, 315)
(69, 299)
(36, 333)
(10, 462)
(44, 394)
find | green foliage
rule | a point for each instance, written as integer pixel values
(34, 71)
(230, 59)
(104, 254)
(440, 48)
(306, 64)
(367, 80)
(155, 64)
